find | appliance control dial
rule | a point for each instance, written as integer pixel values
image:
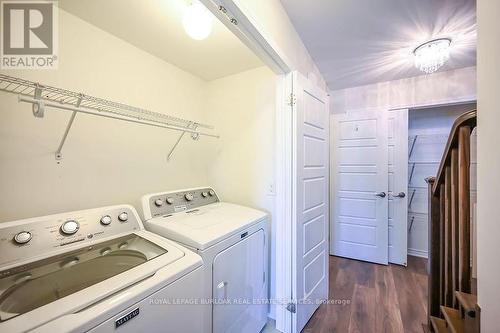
(204, 194)
(170, 200)
(70, 227)
(106, 220)
(158, 202)
(123, 217)
(189, 196)
(22, 237)
(211, 192)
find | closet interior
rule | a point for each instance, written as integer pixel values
(428, 131)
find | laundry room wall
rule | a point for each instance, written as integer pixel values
(105, 161)
(242, 169)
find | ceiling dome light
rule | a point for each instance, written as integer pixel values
(197, 21)
(431, 55)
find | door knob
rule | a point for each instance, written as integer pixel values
(380, 194)
(400, 195)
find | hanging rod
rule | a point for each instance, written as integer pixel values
(43, 96)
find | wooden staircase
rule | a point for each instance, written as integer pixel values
(464, 319)
(452, 306)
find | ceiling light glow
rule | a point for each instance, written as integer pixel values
(431, 55)
(197, 21)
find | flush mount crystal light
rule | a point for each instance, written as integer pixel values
(431, 55)
(197, 21)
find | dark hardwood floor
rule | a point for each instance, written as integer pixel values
(381, 298)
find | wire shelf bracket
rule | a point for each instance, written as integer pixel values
(411, 172)
(194, 136)
(58, 153)
(411, 223)
(411, 198)
(43, 96)
(414, 141)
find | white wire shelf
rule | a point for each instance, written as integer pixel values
(423, 162)
(429, 136)
(44, 96)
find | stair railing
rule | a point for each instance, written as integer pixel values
(449, 260)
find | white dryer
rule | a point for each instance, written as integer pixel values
(96, 270)
(232, 240)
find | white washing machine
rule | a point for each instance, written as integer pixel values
(231, 239)
(96, 270)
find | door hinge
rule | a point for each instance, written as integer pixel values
(292, 100)
(291, 307)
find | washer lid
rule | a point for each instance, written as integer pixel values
(203, 227)
(30, 286)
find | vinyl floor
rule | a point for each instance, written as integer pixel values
(371, 298)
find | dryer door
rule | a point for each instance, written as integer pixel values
(240, 286)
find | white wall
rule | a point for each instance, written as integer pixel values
(437, 88)
(488, 224)
(243, 109)
(105, 161)
(436, 119)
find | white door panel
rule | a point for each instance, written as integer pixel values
(311, 178)
(359, 225)
(398, 182)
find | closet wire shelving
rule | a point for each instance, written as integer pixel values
(413, 163)
(44, 96)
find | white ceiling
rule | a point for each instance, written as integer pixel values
(358, 42)
(155, 26)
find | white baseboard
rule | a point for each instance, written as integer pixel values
(417, 253)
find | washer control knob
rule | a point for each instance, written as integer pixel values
(22, 237)
(123, 217)
(204, 194)
(189, 196)
(170, 200)
(105, 251)
(211, 192)
(70, 227)
(106, 220)
(158, 202)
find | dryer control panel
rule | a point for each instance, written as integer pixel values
(160, 204)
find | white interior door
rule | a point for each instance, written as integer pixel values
(359, 225)
(398, 186)
(310, 200)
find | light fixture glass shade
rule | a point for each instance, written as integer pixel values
(197, 21)
(431, 55)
